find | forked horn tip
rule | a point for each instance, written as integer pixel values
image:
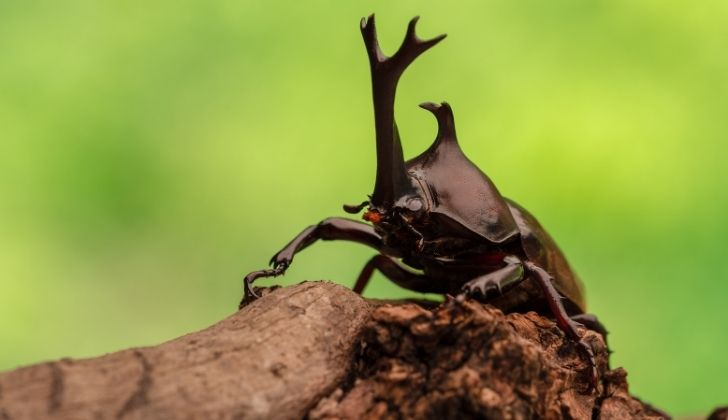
(366, 21)
(411, 32)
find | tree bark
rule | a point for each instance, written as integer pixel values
(319, 351)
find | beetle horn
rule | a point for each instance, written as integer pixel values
(445, 121)
(392, 179)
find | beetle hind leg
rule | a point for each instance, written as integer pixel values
(565, 323)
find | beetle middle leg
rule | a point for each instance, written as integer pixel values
(545, 281)
(398, 274)
(333, 228)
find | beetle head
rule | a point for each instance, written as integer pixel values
(415, 198)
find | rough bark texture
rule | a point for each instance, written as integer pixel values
(319, 351)
(468, 360)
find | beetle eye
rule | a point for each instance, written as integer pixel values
(414, 204)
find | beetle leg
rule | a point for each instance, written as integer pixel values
(398, 274)
(250, 278)
(498, 280)
(545, 281)
(411, 229)
(333, 228)
(591, 322)
(365, 275)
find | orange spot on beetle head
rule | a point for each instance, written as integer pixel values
(372, 216)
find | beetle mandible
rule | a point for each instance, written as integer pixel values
(442, 216)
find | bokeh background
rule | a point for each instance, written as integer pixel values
(152, 153)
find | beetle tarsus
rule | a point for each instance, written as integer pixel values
(593, 372)
(498, 281)
(250, 293)
(484, 288)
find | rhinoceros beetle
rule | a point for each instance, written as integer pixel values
(439, 223)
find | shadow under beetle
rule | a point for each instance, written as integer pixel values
(442, 216)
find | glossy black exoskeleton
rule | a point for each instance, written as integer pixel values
(439, 223)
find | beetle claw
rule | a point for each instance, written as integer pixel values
(279, 268)
(249, 294)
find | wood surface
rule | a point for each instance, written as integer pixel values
(320, 351)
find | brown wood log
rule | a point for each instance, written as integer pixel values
(319, 351)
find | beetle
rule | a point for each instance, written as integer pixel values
(440, 224)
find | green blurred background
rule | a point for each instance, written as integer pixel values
(152, 153)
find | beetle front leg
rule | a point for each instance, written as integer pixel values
(496, 281)
(567, 325)
(333, 228)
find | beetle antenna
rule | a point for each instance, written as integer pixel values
(355, 208)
